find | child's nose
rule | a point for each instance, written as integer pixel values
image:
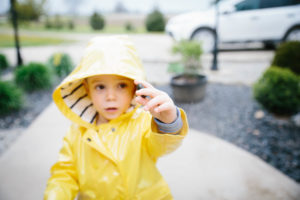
(111, 94)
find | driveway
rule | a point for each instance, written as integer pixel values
(235, 67)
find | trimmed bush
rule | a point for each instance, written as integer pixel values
(155, 21)
(34, 76)
(97, 21)
(58, 23)
(48, 25)
(278, 90)
(71, 25)
(288, 56)
(3, 62)
(10, 97)
(129, 27)
(61, 64)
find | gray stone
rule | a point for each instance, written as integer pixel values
(296, 119)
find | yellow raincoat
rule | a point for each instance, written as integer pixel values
(115, 160)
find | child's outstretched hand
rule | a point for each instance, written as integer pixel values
(157, 102)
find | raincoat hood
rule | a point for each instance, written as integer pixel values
(110, 55)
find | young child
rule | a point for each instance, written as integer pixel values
(118, 133)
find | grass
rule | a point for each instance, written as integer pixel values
(122, 30)
(87, 29)
(82, 27)
(7, 40)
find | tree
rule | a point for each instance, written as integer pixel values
(97, 21)
(30, 10)
(155, 21)
(14, 18)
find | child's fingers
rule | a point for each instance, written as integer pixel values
(144, 83)
(158, 100)
(151, 92)
(141, 100)
(140, 90)
(164, 107)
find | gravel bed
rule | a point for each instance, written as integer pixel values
(12, 125)
(228, 112)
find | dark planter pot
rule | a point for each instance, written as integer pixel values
(188, 89)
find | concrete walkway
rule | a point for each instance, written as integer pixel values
(204, 167)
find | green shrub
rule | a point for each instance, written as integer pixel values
(3, 62)
(71, 25)
(61, 64)
(155, 21)
(32, 77)
(29, 10)
(10, 97)
(188, 49)
(288, 56)
(58, 23)
(48, 24)
(190, 52)
(129, 27)
(97, 21)
(278, 90)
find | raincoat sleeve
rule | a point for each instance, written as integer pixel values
(159, 144)
(63, 182)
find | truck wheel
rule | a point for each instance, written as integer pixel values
(293, 34)
(207, 39)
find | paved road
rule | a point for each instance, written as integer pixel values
(242, 67)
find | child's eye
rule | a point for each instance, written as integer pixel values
(122, 85)
(99, 87)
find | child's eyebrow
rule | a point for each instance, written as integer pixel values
(124, 80)
(96, 81)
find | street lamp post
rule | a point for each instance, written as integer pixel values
(215, 51)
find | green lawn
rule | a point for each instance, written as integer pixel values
(79, 28)
(7, 40)
(87, 29)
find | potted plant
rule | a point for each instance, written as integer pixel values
(189, 84)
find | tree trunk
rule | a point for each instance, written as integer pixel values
(14, 18)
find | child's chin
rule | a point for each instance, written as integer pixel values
(111, 116)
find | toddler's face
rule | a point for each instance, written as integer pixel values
(111, 95)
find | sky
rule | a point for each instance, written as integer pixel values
(87, 7)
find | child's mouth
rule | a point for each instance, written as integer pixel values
(111, 109)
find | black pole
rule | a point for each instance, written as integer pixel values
(216, 50)
(14, 17)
